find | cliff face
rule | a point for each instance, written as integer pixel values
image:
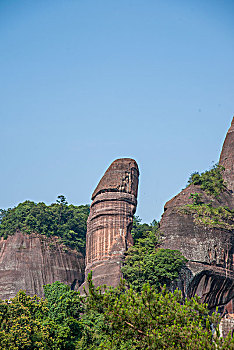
(209, 249)
(30, 261)
(110, 221)
(227, 158)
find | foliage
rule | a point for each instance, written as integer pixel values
(58, 219)
(2, 214)
(142, 230)
(120, 318)
(196, 197)
(95, 329)
(32, 323)
(210, 181)
(64, 308)
(146, 262)
(148, 320)
(22, 325)
(206, 214)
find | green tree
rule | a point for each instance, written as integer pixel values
(22, 324)
(28, 323)
(64, 308)
(62, 200)
(142, 230)
(149, 320)
(68, 222)
(2, 214)
(146, 262)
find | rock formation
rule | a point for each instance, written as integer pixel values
(227, 158)
(110, 221)
(209, 249)
(30, 261)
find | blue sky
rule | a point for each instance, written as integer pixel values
(85, 82)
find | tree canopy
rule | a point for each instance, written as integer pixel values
(140, 230)
(120, 318)
(69, 222)
(147, 262)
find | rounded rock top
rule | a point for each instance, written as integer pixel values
(121, 176)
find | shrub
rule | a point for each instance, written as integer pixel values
(210, 181)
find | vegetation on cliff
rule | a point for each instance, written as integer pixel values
(206, 214)
(68, 222)
(211, 181)
(120, 318)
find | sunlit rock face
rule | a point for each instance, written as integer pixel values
(227, 158)
(29, 261)
(110, 220)
(209, 250)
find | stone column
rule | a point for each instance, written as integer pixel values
(110, 220)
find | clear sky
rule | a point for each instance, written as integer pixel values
(85, 82)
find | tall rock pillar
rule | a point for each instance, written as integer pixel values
(227, 157)
(110, 221)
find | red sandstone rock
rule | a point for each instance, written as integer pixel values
(226, 325)
(210, 250)
(227, 157)
(30, 261)
(110, 221)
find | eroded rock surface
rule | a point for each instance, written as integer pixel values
(30, 261)
(227, 158)
(110, 221)
(209, 249)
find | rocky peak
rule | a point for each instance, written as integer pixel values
(206, 241)
(227, 157)
(110, 221)
(121, 176)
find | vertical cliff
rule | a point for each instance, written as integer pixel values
(110, 221)
(227, 158)
(207, 243)
(30, 261)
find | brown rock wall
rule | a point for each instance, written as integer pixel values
(227, 326)
(214, 288)
(30, 261)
